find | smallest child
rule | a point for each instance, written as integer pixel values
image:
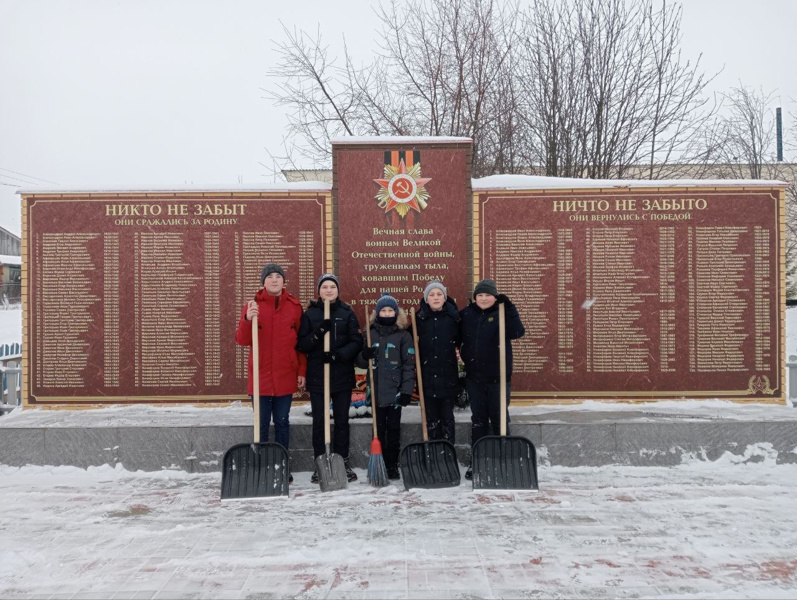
(393, 356)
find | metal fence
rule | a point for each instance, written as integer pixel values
(11, 371)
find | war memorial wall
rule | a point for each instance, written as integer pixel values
(628, 290)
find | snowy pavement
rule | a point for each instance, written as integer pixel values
(702, 529)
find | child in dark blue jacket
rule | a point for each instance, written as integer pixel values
(480, 353)
(393, 356)
(438, 339)
(345, 344)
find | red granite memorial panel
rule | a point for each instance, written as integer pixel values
(403, 214)
(135, 298)
(661, 293)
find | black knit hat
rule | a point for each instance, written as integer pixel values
(268, 270)
(327, 277)
(485, 286)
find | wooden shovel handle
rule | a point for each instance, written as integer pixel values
(256, 378)
(419, 375)
(502, 363)
(327, 337)
(370, 367)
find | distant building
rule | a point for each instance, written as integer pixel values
(10, 244)
(10, 268)
(10, 279)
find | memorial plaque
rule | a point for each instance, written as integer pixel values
(402, 211)
(136, 297)
(638, 292)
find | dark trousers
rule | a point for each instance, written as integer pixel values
(485, 406)
(388, 429)
(280, 408)
(440, 423)
(341, 401)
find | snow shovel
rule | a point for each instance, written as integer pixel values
(429, 464)
(331, 468)
(377, 470)
(256, 470)
(504, 462)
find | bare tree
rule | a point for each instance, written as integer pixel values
(317, 91)
(607, 88)
(583, 88)
(745, 132)
(442, 69)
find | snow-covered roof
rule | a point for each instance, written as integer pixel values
(534, 182)
(8, 259)
(299, 186)
(400, 139)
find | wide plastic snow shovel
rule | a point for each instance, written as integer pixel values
(256, 470)
(331, 468)
(428, 464)
(504, 462)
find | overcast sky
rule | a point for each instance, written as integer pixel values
(98, 92)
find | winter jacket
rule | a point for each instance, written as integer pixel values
(345, 344)
(278, 323)
(394, 363)
(438, 340)
(479, 348)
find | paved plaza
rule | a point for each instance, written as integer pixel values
(726, 528)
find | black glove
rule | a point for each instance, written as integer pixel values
(326, 325)
(405, 399)
(368, 353)
(328, 357)
(502, 299)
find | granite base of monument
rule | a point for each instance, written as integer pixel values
(194, 440)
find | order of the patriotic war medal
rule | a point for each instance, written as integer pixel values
(402, 187)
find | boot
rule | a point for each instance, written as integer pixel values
(314, 477)
(393, 473)
(469, 474)
(350, 475)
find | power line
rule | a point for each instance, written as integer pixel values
(21, 181)
(28, 176)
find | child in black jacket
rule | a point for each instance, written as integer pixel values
(393, 356)
(438, 323)
(345, 344)
(480, 353)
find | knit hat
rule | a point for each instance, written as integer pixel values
(386, 300)
(434, 285)
(485, 286)
(327, 277)
(268, 270)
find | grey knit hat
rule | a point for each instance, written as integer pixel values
(485, 286)
(386, 300)
(434, 285)
(327, 277)
(268, 270)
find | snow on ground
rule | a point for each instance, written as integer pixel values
(10, 325)
(699, 530)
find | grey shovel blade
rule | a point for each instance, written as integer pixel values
(504, 463)
(430, 465)
(254, 471)
(331, 472)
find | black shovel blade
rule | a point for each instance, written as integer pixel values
(331, 472)
(430, 465)
(254, 471)
(504, 463)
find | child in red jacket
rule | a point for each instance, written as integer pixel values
(282, 368)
